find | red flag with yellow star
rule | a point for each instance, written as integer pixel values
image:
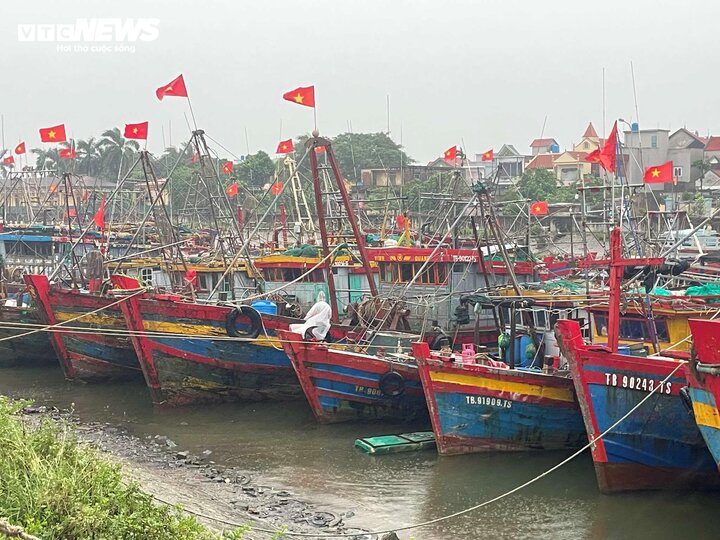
(285, 147)
(9, 160)
(488, 156)
(276, 188)
(659, 174)
(20, 148)
(232, 190)
(450, 154)
(68, 153)
(136, 131)
(53, 134)
(175, 88)
(303, 95)
(539, 208)
(228, 167)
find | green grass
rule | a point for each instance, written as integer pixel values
(56, 488)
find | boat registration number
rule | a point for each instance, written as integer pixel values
(638, 383)
(490, 401)
(368, 391)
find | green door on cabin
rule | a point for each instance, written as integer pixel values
(358, 287)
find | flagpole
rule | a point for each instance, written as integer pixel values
(192, 113)
(315, 116)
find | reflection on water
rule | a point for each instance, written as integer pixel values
(281, 445)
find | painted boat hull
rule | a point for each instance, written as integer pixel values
(704, 386)
(658, 446)
(342, 386)
(26, 350)
(188, 357)
(478, 408)
(88, 354)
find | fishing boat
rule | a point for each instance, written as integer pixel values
(638, 443)
(522, 399)
(21, 344)
(703, 375)
(478, 404)
(374, 380)
(95, 346)
(202, 353)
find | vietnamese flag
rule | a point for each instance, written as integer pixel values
(99, 217)
(9, 160)
(136, 131)
(68, 153)
(304, 95)
(276, 188)
(53, 134)
(659, 174)
(20, 148)
(232, 190)
(450, 154)
(488, 156)
(319, 149)
(175, 88)
(607, 155)
(228, 167)
(594, 156)
(539, 208)
(195, 158)
(285, 147)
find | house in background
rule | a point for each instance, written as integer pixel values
(544, 146)
(589, 140)
(685, 147)
(645, 147)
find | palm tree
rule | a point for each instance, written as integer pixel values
(88, 156)
(116, 150)
(46, 159)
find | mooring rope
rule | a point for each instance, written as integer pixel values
(50, 326)
(459, 513)
(14, 531)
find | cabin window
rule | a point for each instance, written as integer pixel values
(653, 141)
(406, 272)
(205, 281)
(146, 274)
(677, 172)
(386, 272)
(433, 274)
(540, 319)
(634, 328)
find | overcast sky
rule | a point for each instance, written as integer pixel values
(479, 72)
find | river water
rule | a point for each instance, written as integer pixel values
(281, 445)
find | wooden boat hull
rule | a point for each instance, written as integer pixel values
(704, 387)
(188, 356)
(341, 385)
(478, 408)
(658, 446)
(89, 354)
(26, 350)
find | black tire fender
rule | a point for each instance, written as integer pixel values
(250, 313)
(392, 384)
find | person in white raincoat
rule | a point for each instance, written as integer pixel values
(319, 317)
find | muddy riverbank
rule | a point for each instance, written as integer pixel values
(223, 498)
